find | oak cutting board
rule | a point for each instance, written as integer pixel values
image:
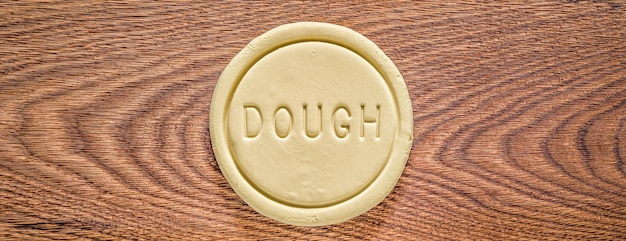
(519, 119)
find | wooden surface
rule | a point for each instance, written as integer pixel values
(520, 119)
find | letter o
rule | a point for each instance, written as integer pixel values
(282, 121)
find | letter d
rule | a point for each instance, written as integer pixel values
(252, 121)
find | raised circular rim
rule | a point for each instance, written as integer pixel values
(288, 34)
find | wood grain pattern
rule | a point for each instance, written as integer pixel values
(519, 108)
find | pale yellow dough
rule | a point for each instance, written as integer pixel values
(311, 124)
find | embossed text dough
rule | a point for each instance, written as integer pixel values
(311, 124)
